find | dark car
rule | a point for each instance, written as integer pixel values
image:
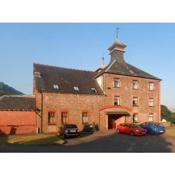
(90, 128)
(69, 130)
(153, 127)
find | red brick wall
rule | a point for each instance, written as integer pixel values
(76, 104)
(126, 94)
(23, 121)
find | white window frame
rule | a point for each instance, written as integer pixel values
(85, 119)
(118, 100)
(151, 86)
(135, 85)
(151, 115)
(118, 84)
(151, 102)
(133, 99)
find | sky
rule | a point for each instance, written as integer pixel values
(150, 47)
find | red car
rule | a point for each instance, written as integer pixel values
(131, 129)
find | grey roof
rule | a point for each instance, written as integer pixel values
(17, 102)
(123, 68)
(64, 79)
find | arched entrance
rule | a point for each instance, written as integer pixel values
(116, 118)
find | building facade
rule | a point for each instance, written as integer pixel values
(113, 94)
(17, 114)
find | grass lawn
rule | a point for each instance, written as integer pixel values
(170, 132)
(31, 139)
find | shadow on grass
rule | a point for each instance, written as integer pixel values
(41, 141)
(3, 137)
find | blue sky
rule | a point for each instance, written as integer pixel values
(151, 47)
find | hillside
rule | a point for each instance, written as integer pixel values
(7, 90)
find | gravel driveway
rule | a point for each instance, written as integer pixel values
(102, 142)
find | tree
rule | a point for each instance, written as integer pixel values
(167, 114)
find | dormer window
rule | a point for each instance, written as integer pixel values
(76, 88)
(55, 86)
(37, 74)
(93, 90)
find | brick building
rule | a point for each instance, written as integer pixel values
(17, 114)
(113, 94)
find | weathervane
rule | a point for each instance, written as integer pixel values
(117, 32)
(103, 60)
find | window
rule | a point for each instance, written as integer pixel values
(76, 88)
(84, 117)
(64, 118)
(151, 86)
(135, 101)
(134, 84)
(51, 118)
(151, 102)
(135, 118)
(116, 100)
(116, 83)
(151, 117)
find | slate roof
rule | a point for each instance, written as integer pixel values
(46, 77)
(17, 102)
(123, 68)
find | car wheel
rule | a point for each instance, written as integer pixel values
(132, 134)
(118, 131)
(64, 136)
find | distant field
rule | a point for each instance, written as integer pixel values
(170, 132)
(31, 139)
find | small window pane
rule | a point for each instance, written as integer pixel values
(134, 84)
(135, 118)
(135, 101)
(151, 102)
(116, 83)
(51, 118)
(64, 118)
(151, 86)
(116, 100)
(85, 118)
(151, 117)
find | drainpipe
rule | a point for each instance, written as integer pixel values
(41, 112)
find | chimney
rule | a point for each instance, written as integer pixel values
(117, 51)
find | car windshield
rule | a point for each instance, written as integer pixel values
(70, 126)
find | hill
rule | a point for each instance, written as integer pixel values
(7, 90)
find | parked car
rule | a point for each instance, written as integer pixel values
(153, 127)
(131, 129)
(90, 128)
(69, 130)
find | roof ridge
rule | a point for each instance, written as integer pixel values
(47, 65)
(21, 96)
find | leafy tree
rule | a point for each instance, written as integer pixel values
(167, 114)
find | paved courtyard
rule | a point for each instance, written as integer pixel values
(103, 142)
